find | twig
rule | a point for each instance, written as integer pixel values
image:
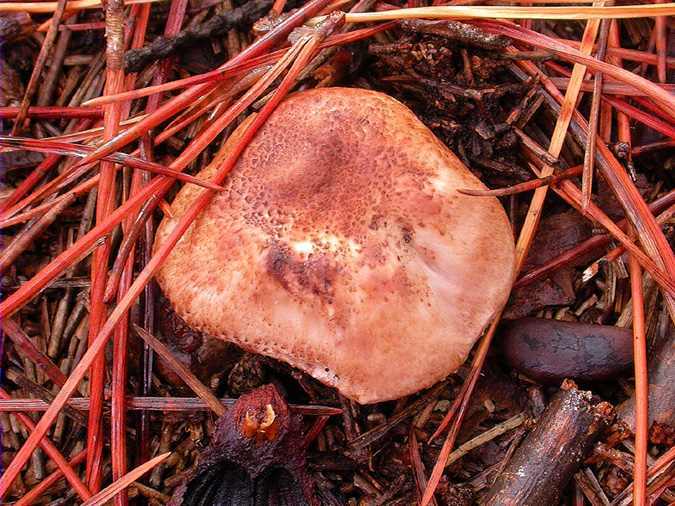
(233, 69)
(38, 66)
(454, 30)
(136, 59)
(374, 434)
(570, 193)
(28, 349)
(57, 265)
(488, 435)
(636, 209)
(589, 153)
(588, 484)
(655, 470)
(526, 186)
(182, 371)
(38, 391)
(615, 253)
(549, 456)
(24, 240)
(55, 65)
(586, 246)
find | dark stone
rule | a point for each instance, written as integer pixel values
(551, 350)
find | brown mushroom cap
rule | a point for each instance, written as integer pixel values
(341, 247)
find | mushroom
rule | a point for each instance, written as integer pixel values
(341, 246)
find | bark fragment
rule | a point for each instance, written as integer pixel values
(550, 455)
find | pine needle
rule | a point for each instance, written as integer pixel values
(509, 12)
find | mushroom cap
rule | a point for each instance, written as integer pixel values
(341, 246)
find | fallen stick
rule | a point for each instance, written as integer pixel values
(550, 455)
(136, 60)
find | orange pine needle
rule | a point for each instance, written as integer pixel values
(649, 232)
(641, 385)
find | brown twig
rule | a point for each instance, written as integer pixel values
(580, 250)
(374, 434)
(25, 239)
(183, 372)
(594, 115)
(549, 456)
(526, 186)
(39, 66)
(32, 496)
(135, 60)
